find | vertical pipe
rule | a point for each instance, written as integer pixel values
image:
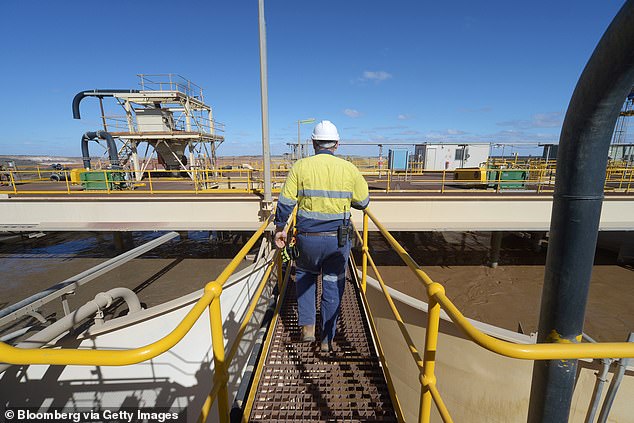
(218, 345)
(429, 359)
(581, 163)
(266, 153)
(299, 147)
(496, 245)
(103, 114)
(365, 249)
(614, 386)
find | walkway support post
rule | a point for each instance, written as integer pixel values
(581, 163)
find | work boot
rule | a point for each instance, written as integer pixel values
(308, 333)
(325, 346)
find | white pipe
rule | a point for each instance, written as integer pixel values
(101, 301)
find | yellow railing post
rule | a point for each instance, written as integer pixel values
(105, 179)
(365, 249)
(218, 346)
(429, 359)
(387, 188)
(280, 274)
(15, 188)
(149, 177)
(442, 186)
(67, 177)
(39, 173)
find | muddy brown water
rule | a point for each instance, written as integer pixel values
(507, 296)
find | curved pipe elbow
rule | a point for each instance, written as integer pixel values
(94, 93)
(112, 147)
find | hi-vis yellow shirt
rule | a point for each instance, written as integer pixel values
(324, 187)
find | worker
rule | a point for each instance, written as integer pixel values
(324, 187)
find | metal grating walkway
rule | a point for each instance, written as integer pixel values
(300, 383)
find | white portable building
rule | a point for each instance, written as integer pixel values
(444, 156)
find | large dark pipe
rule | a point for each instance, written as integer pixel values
(112, 147)
(581, 162)
(94, 93)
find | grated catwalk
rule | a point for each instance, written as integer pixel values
(300, 383)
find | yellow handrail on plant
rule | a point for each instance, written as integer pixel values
(560, 349)
(210, 300)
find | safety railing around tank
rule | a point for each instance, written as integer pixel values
(210, 301)
(560, 349)
(247, 179)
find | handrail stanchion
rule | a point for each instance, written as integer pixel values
(105, 181)
(15, 188)
(218, 345)
(39, 174)
(149, 177)
(442, 186)
(66, 177)
(365, 249)
(280, 274)
(429, 358)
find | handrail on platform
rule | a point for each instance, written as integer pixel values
(499, 179)
(558, 349)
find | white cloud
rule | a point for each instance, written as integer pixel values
(404, 117)
(376, 76)
(455, 132)
(352, 113)
(540, 120)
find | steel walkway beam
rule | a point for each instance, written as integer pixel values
(431, 213)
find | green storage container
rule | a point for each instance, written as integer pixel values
(508, 178)
(101, 180)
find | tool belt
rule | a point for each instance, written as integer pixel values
(330, 233)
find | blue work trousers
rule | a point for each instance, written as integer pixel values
(320, 254)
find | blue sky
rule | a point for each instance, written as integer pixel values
(382, 71)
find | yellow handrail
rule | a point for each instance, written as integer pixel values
(64, 356)
(557, 350)
(209, 300)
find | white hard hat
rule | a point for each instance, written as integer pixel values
(325, 132)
